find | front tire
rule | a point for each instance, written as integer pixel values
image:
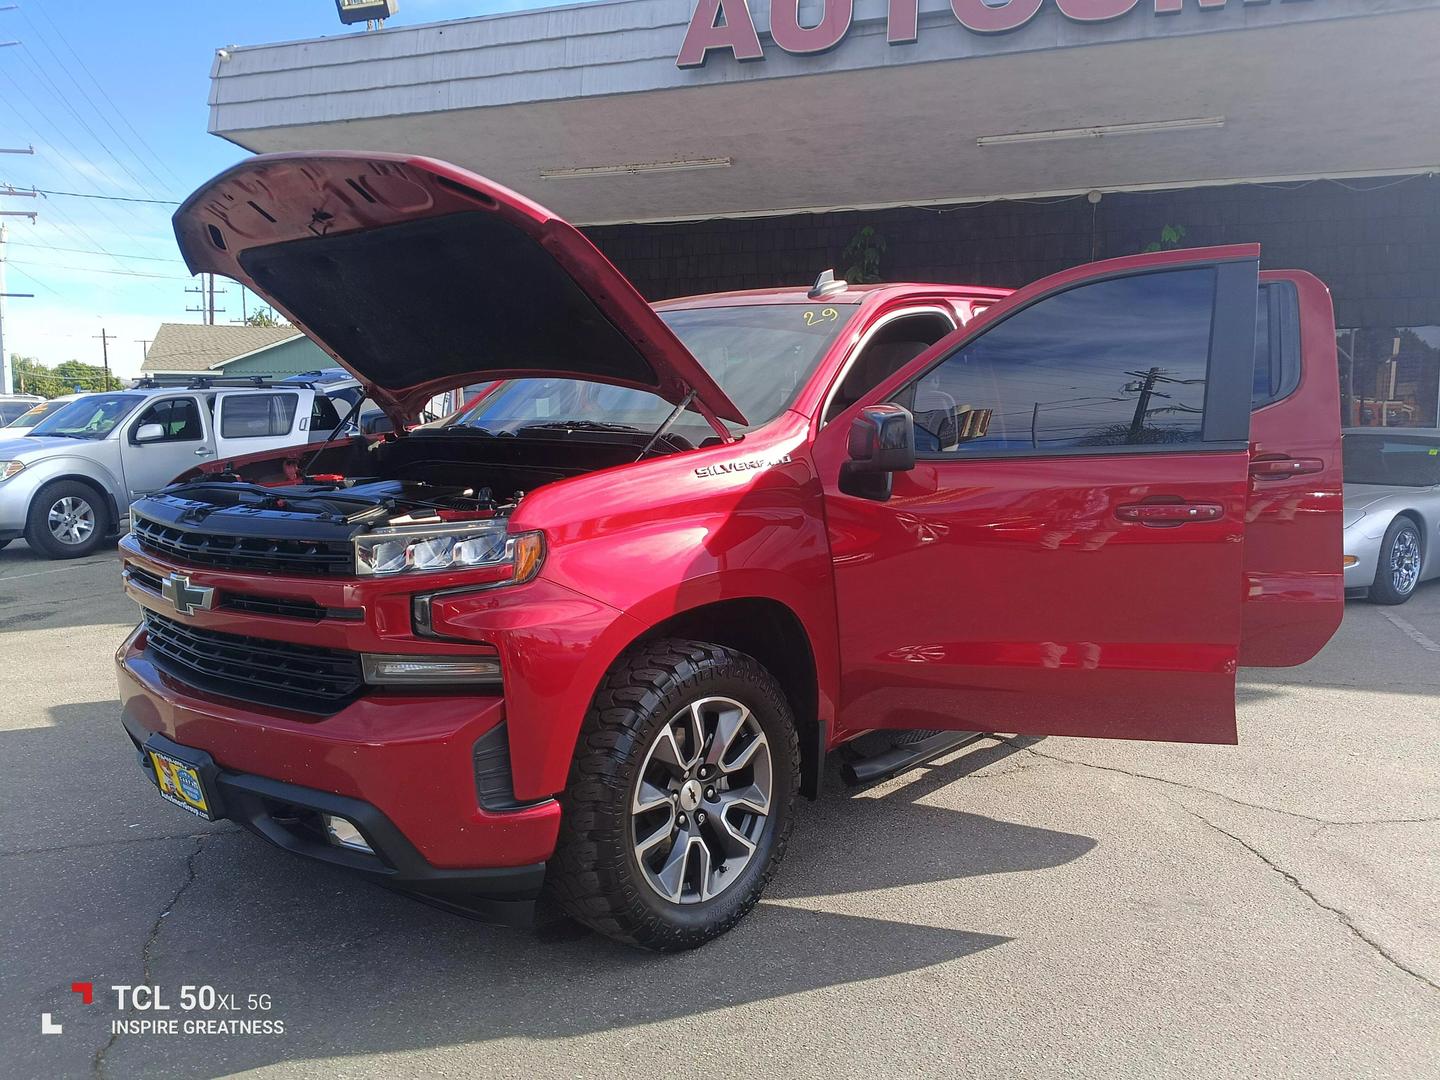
(1401, 556)
(678, 807)
(67, 520)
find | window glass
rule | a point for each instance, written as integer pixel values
(13, 410)
(180, 417)
(1389, 376)
(1113, 363)
(1391, 460)
(324, 417)
(92, 416)
(1277, 343)
(254, 416)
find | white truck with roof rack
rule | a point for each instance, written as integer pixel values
(67, 483)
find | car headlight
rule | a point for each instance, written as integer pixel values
(463, 547)
(10, 468)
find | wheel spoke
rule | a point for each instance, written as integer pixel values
(659, 836)
(649, 797)
(752, 798)
(671, 876)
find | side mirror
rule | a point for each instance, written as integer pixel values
(149, 433)
(376, 423)
(881, 443)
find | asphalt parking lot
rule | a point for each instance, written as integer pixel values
(1066, 908)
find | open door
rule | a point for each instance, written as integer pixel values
(1066, 556)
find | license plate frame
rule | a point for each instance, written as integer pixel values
(181, 784)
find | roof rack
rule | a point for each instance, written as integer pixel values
(207, 382)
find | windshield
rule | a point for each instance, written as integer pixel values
(1392, 460)
(91, 417)
(760, 354)
(34, 415)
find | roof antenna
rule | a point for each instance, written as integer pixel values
(827, 284)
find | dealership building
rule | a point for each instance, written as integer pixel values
(724, 144)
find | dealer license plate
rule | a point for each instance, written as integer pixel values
(180, 784)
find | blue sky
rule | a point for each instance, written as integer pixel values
(112, 95)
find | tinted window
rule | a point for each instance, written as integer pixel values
(180, 417)
(323, 415)
(254, 416)
(1112, 363)
(1277, 343)
(13, 410)
(1400, 461)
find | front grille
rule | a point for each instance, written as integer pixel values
(144, 578)
(324, 557)
(276, 673)
(289, 608)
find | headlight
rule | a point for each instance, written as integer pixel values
(10, 468)
(462, 547)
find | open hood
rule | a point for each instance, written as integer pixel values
(418, 277)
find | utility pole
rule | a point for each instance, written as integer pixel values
(1142, 404)
(144, 344)
(104, 340)
(7, 375)
(206, 291)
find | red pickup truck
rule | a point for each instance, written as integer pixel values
(588, 641)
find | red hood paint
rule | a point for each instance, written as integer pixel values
(300, 197)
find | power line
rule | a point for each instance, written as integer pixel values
(64, 98)
(109, 198)
(103, 93)
(90, 100)
(49, 120)
(88, 251)
(98, 270)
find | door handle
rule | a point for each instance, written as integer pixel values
(1279, 468)
(204, 452)
(1163, 514)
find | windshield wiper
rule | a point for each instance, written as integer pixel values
(581, 425)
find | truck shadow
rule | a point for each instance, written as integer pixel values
(352, 968)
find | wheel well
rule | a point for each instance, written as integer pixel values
(773, 634)
(106, 499)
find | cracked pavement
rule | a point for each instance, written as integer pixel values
(1030, 908)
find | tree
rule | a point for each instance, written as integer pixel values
(33, 377)
(862, 256)
(265, 317)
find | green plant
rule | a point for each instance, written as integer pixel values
(862, 256)
(1171, 236)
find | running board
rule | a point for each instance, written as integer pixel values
(897, 759)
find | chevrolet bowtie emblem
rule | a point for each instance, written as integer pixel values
(187, 598)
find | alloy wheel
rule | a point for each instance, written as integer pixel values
(702, 800)
(1405, 561)
(71, 520)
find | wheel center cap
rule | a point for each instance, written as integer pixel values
(690, 795)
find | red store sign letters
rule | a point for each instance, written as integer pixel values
(726, 24)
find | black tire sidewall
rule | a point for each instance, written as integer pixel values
(740, 894)
(37, 528)
(1383, 590)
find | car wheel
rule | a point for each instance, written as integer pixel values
(1400, 558)
(67, 521)
(678, 807)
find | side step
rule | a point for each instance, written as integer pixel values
(905, 755)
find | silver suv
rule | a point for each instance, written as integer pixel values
(67, 483)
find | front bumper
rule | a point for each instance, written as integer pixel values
(404, 764)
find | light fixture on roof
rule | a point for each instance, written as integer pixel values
(678, 165)
(1101, 131)
(827, 284)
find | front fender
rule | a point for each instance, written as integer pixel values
(17, 493)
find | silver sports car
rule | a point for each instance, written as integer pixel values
(1392, 511)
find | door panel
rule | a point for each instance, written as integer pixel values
(1294, 579)
(250, 421)
(1067, 555)
(150, 466)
